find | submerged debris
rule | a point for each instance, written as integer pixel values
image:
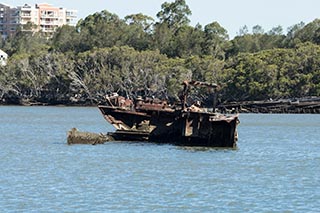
(77, 137)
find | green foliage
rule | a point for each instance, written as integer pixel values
(26, 42)
(274, 74)
(307, 33)
(252, 43)
(140, 56)
(175, 14)
(216, 38)
(66, 39)
(101, 30)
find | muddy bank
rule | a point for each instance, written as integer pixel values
(49, 100)
(294, 105)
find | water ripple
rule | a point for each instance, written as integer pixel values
(275, 169)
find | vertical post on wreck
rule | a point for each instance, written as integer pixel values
(214, 100)
(185, 94)
(215, 97)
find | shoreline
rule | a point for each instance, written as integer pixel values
(307, 105)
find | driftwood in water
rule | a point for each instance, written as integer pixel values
(76, 137)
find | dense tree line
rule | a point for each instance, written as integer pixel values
(139, 55)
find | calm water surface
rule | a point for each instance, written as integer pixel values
(275, 169)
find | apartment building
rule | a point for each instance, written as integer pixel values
(9, 20)
(42, 17)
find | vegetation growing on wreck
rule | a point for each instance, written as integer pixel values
(138, 54)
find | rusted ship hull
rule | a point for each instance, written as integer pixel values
(179, 127)
(180, 123)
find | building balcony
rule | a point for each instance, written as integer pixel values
(71, 15)
(49, 23)
(25, 14)
(23, 22)
(26, 9)
(48, 30)
(49, 16)
(25, 19)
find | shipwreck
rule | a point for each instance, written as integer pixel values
(179, 124)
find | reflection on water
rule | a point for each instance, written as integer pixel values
(274, 169)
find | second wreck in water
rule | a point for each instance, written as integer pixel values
(179, 124)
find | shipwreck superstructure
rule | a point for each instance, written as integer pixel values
(179, 124)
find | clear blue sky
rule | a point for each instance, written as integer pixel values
(230, 14)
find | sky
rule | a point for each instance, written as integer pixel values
(230, 14)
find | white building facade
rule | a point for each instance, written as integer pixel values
(3, 58)
(42, 17)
